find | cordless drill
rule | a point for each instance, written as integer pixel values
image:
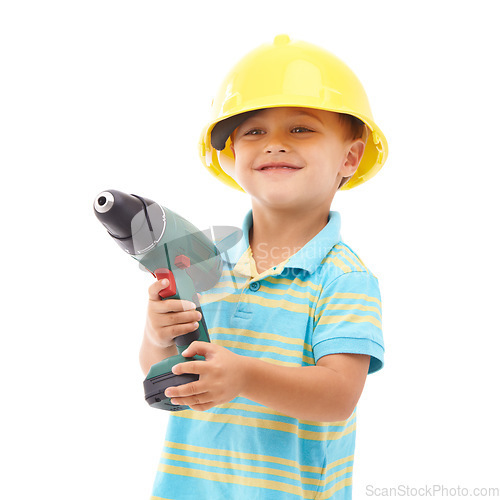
(169, 247)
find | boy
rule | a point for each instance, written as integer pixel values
(295, 319)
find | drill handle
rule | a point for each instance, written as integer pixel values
(201, 333)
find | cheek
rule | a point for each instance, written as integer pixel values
(239, 167)
(335, 158)
(328, 163)
(242, 159)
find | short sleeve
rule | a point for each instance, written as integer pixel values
(348, 319)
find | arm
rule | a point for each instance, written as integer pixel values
(326, 392)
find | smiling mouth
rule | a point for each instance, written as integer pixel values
(278, 166)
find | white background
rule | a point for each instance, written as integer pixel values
(113, 94)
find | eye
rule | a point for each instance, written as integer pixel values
(297, 130)
(255, 131)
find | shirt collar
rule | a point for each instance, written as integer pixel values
(309, 257)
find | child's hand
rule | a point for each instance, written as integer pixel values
(167, 319)
(222, 377)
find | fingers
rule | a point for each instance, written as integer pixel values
(193, 395)
(201, 402)
(160, 285)
(194, 367)
(155, 289)
(201, 348)
(168, 305)
(169, 318)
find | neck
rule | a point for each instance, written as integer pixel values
(283, 232)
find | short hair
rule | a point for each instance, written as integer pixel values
(354, 128)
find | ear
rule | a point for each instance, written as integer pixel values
(352, 158)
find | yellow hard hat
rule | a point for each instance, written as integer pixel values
(287, 74)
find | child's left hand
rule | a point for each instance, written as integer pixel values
(221, 377)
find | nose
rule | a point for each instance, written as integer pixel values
(276, 143)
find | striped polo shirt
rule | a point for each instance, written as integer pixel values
(321, 300)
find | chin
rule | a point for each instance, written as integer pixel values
(284, 201)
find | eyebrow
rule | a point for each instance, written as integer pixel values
(302, 112)
(311, 115)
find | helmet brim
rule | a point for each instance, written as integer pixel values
(223, 129)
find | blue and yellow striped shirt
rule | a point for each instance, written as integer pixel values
(321, 300)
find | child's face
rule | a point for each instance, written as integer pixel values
(293, 157)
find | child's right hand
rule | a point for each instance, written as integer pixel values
(169, 318)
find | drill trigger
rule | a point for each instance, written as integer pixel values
(171, 289)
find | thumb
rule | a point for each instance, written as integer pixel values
(197, 347)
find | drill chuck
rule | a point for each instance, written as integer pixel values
(135, 223)
(104, 202)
